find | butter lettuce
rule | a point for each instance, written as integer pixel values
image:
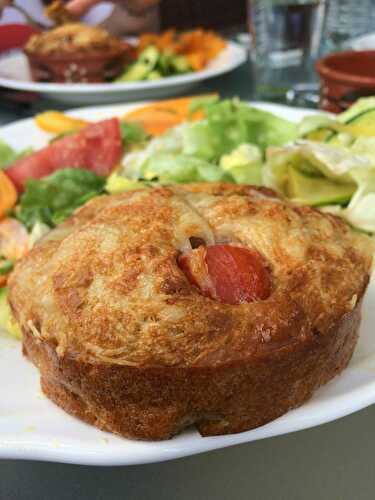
(230, 123)
(169, 168)
(343, 175)
(244, 164)
(197, 147)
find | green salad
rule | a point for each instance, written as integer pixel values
(322, 161)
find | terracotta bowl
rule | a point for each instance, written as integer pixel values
(94, 67)
(345, 77)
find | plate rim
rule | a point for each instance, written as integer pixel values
(239, 56)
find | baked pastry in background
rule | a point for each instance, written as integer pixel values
(212, 305)
(78, 53)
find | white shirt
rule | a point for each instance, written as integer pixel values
(35, 8)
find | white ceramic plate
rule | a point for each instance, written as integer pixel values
(14, 73)
(31, 427)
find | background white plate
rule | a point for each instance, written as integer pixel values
(31, 427)
(14, 73)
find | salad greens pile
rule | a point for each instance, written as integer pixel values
(52, 199)
(228, 145)
(334, 168)
(322, 161)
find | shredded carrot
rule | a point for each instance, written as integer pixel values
(8, 194)
(197, 60)
(158, 117)
(199, 46)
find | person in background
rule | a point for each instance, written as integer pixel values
(128, 17)
(179, 14)
(135, 15)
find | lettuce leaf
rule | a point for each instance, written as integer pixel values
(353, 167)
(181, 168)
(230, 123)
(244, 164)
(360, 106)
(312, 123)
(132, 133)
(198, 147)
(52, 199)
(8, 155)
(361, 210)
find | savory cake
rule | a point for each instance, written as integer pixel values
(215, 305)
(77, 53)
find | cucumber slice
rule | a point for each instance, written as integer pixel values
(362, 124)
(359, 108)
(140, 70)
(355, 123)
(154, 75)
(149, 57)
(135, 72)
(321, 134)
(317, 191)
(164, 63)
(180, 64)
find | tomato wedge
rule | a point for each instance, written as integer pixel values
(98, 148)
(228, 273)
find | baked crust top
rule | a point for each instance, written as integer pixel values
(105, 286)
(73, 38)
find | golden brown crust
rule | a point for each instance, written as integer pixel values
(156, 403)
(70, 39)
(124, 341)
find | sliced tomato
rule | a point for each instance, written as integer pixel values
(98, 148)
(228, 273)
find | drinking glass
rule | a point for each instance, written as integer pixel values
(286, 40)
(347, 21)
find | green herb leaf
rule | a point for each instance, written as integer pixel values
(8, 155)
(132, 133)
(52, 199)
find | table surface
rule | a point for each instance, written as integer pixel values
(330, 462)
